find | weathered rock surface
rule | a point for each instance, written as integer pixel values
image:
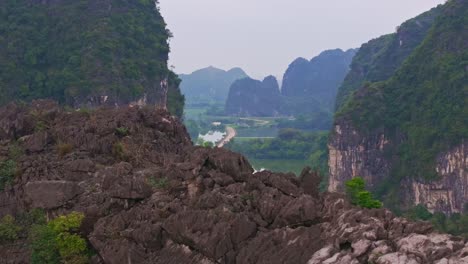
(150, 196)
(353, 153)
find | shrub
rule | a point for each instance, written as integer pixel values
(15, 151)
(40, 126)
(355, 189)
(8, 229)
(160, 183)
(64, 149)
(118, 151)
(121, 131)
(58, 241)
(7, 172)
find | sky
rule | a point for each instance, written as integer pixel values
(264, 36)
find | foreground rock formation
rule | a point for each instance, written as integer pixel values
(150, 196)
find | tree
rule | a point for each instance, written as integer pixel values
(355, 189)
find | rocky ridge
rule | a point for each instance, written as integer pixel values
(150, 196)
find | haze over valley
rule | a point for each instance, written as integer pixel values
(233, 132)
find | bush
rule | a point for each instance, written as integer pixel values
(58, 241)
(8, 229)
(355, 189)
(161, 183)
(118, 151)
(121, 131)
(7, 172)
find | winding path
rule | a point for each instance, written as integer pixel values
(230, 134)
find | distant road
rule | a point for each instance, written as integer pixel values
(230, 134)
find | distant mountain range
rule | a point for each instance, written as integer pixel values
(308, 88)
(209, 85)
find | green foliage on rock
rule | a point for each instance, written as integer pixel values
(7, 172)
(455, 224)
(356, 191)
(291, 144)
(74, 51)
(378, 59)
(58, 241)
(8, 229)
(423, 107)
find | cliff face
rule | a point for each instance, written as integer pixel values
(352, 154)
(149, 196)
(407, 136)
(86, 53)
(248, 97)
(449, 194)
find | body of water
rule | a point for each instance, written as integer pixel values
(213, 136)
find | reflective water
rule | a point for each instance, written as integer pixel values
(213, 136)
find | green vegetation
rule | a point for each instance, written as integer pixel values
(58, 241)
(292, 150)
(119, 152)
(456, 224)
(122, 131)
(424, 105)
(7, 172)
(74, 50)
(159, 183)
(378, 59)
(8, 229)
(8, 169)
(356, 191)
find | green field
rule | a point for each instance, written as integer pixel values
(294, 166)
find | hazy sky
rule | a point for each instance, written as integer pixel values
(264, 36)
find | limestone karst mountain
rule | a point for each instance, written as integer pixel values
(85, 53)
(209, 85)
(308, 88)
(248, 97)
(407, 136)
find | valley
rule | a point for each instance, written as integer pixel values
(113, 150)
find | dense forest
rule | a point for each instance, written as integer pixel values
(378, 59)
(423, 107)
(119, 50)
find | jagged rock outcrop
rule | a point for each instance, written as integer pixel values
(407, 136)
(150, 196)
(209, 84)
(249, 97)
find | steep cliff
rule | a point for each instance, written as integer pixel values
(149, 196)
(248, 97)
(85, 53)
(407, 135)
(378, 59)
(209, 84)
(319, 78)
